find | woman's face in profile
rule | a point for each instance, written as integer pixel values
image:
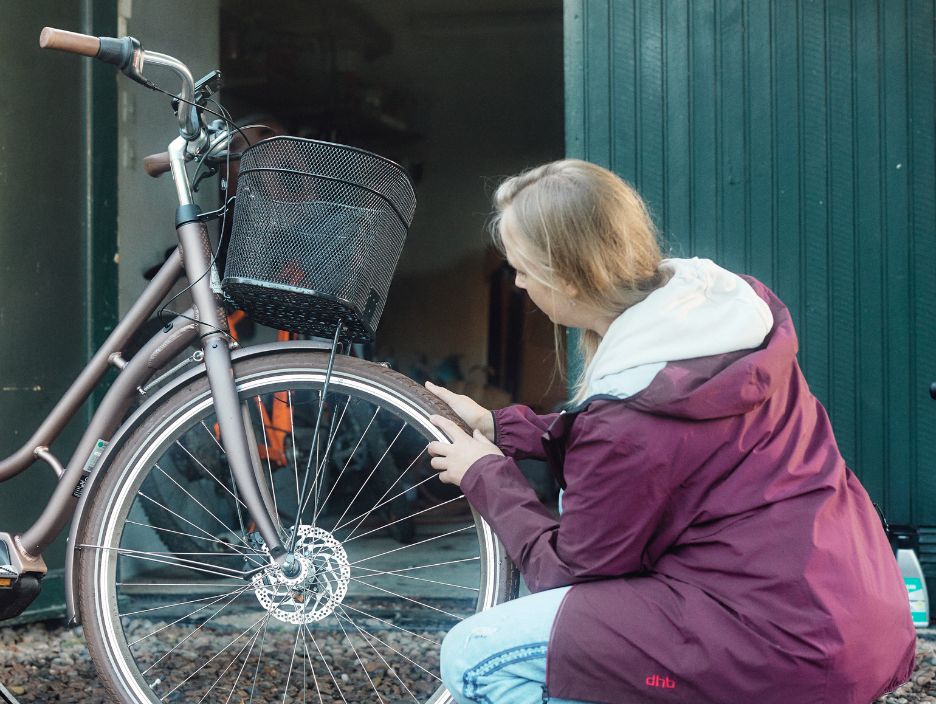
(554, 301)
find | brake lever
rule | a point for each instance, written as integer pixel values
(205, 87)
(202, 175)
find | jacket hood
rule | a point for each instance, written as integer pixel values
(708, 344)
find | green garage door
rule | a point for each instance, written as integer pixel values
(792, 140)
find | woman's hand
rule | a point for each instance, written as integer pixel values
(475, 416)
(453, 460)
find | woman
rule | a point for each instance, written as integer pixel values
(712, 545)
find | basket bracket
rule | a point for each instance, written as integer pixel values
(192, 213)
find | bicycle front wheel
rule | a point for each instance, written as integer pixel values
(176, 596)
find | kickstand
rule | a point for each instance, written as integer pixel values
(6, 697)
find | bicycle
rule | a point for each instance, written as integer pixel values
(282, 599)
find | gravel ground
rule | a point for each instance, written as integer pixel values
(922, 688)
(49, 663)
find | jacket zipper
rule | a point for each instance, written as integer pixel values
(545, 695)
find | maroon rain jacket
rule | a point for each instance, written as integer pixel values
(720, 549)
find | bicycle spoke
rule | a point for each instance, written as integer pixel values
(360, 662)
(387, 645)
(319, 476)
(292, 436)
(240, 652)
(389, 623)
(417, 513)
(377, 653)
(207, 471)
(213, 437)
(320, 470)
(372, 472)
(266, 444)
(318, 511)
(325, 662)
(421, 579)
(239, 503)
(240, 672)
(313, 451)
(308, 660)
(212, 659)
(205, 508)
(237, 592)
(169, 606)
(215, 554)
(196, 526)
(197, 537)
(402, 596)
(317, 442)
(417, 567)
(185, 564)
(253, 686)
(266, 619)
(381, 502)
(412, 545)
(292, 662)
(178, 584)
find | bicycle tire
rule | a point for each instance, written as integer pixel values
(401, 625)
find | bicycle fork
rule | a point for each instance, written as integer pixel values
(212, 321)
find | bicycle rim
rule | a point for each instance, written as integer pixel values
(365, 619)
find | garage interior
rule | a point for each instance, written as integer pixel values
(461, 94)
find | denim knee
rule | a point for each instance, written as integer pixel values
(496, 650)
(453, 663)
(462, 649)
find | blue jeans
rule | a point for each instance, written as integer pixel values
(499, 656)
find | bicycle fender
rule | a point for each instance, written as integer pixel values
(130, 424)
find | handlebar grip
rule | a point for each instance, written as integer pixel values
(156, 164)
(62, 40)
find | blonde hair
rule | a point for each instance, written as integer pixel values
(581, 224)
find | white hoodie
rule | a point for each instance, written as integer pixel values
(702, 310)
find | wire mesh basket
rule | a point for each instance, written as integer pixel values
(318, 229)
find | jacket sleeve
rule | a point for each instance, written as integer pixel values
(518, 432)
(615, 500)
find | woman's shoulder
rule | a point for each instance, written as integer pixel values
(606, 419)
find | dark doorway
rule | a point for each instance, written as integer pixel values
(460, 93)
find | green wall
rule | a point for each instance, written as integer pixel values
(57, 239)
(792, 140)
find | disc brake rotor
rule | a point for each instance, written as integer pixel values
(318, 587)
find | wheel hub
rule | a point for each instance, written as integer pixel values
(318, 586)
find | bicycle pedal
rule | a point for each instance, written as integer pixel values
(20, 579)
(6, 697)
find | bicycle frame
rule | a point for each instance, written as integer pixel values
(133, 375)
(207, 320)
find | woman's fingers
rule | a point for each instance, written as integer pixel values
(439, 391)
(448, 427)
(440, 461)
(470, 411)
(438, 449)
(479, 435)
(452, 459)
(449, 398)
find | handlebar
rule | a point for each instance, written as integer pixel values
(157, 164)
(128, 55)
(61, 40)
